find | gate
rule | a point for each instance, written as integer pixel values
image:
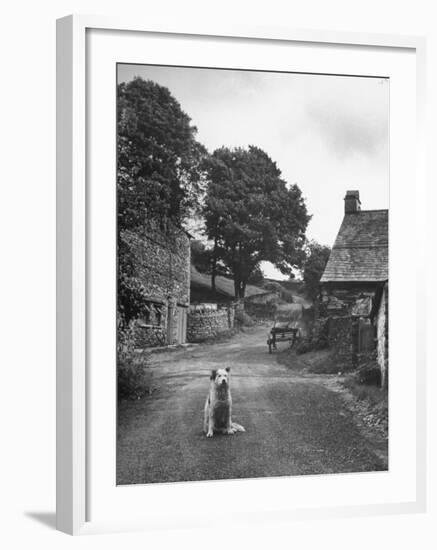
(182, 325)
(366, 336)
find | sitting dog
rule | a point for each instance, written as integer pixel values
(218, 406)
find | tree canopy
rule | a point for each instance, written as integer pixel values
(251, 214)
(317, 256)
(158, 164)
(159, 173)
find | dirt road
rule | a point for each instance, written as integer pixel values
(295, 424)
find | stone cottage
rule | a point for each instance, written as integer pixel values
(160, 258)
(353, 303)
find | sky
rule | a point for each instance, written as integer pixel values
(326, 133)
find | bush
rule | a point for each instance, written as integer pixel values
(372, 394)
(242, 319)
(261, 311)
(134, 380)
(321, 342)
(287, 296)
(304, 346)
(368, 374)
(309, 344)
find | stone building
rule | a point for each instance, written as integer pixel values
(353, 303)
(160, 264)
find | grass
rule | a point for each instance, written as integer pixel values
(363, 392)
(223, 285)
(373, 399)
(317, 361)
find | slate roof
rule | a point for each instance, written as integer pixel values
(360, 251)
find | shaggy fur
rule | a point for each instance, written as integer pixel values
(218, 406)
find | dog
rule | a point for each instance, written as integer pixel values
(218, 406)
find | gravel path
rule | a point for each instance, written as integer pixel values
(295, 424)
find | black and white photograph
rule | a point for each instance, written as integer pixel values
(252, 274)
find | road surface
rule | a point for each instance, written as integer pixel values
(295, 424)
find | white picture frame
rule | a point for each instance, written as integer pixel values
(73, 342)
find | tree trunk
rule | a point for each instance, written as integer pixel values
(239, 287)
(236, 287)
(243, 289)
(214, 265)
(213, 275)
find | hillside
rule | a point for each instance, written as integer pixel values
(201, 284)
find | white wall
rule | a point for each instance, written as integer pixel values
(381, 335)
(28, 266)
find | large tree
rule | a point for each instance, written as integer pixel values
(252, 215)
(317, 256)
(159, 173)
(158, 157)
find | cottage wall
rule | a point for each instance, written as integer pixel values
(347, 299)
(382, 337)
(160, 261)
(339, 309)
(345, 313)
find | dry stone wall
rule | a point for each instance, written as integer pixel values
(205, 323)
(160, 263)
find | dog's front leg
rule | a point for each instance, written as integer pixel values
(205, 417)
(210, 431)
(229, 429)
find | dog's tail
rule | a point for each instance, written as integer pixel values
(238, 427)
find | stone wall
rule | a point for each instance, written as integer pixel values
(346, 311)
(347, 299)
(382, 337)
(147, 336)
(343, 305)
(205, 323)
(340, 332)
(160, 262)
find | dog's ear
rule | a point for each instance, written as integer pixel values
(228, 369)
(213, 374)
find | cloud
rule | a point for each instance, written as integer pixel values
(326, 133)
(351, 127)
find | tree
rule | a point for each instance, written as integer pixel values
(256, 277)
(201, 256)
(159, 174)
(159, 160)
(251, 215)
(317, 256)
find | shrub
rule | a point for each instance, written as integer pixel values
(372, 394)
(261, 311)
(321, 342)
(304, 346)
(311, 344)
(287, 296)
(134, 379)
(368, 374)
(242, 319)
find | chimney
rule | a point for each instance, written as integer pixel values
(352, 202)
